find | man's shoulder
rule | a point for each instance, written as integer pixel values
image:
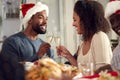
(17, 35)
(14, 37)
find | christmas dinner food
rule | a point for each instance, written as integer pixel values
(47, 68)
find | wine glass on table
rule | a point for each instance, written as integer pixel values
(86, 68)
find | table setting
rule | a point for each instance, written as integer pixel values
(48, 69)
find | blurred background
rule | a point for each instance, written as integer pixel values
(59, 20)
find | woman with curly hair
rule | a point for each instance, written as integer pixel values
(89, 21)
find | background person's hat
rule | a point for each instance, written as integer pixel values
(112, 7)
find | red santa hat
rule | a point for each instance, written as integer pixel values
(28, 10)
(26, 7)
(112, 7)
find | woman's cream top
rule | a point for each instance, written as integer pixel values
(100, 52)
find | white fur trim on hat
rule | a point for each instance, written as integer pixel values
(111, 8)
(37, 8)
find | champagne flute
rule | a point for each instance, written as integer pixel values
(49, 37)
(57, 41)
(57, 38)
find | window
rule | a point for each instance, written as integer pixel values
(11, 8)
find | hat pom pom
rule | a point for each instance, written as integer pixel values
(38, 3)
(112, 7)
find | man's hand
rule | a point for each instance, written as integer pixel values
(44, 48)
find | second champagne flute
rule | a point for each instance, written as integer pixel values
(49, 37)
(57, 38)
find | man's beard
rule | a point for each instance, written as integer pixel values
(38, 30)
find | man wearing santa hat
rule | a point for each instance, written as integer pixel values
(26, 45)
(112, 13)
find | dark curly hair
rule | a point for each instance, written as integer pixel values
(92, 18)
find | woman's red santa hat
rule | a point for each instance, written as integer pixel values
(28, 10)
(112, 7)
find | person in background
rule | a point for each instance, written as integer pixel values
(112, 13)
(26, 45)
(89, 21)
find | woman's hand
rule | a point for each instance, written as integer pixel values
(62, 51)
(44, 48)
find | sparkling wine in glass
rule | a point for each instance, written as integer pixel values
(57, 41)
(49, 37)
(57, 38)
